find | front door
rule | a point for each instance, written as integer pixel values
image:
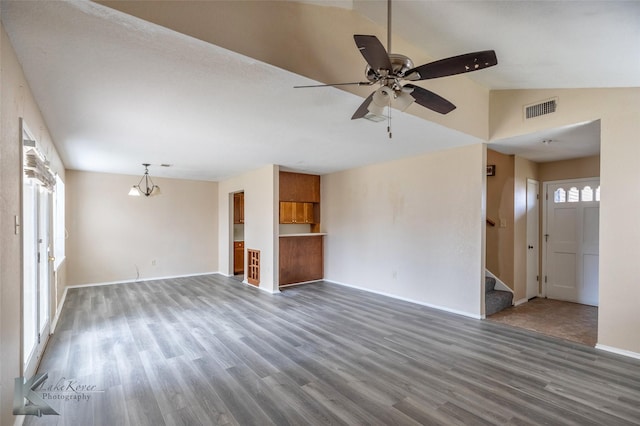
(572, 240)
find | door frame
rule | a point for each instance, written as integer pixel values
(545, 201)
(537, 224)
(30, 357)
(231, 242)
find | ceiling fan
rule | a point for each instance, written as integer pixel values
(390, 70)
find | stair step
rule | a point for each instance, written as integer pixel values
(489, 284)
(497, 300)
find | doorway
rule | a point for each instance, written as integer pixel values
(533, 237)
(37, 186)
(238, 257)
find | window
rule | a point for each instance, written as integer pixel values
(575, 195)
(560, 196)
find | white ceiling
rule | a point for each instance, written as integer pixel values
(539, 44)
(562, 143)
(117, 91)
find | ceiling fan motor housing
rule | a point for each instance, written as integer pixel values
(399, 65)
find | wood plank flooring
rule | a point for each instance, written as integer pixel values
(211, 351)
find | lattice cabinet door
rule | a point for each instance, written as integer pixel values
(253, 266)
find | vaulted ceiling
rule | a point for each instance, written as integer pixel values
(208, 86)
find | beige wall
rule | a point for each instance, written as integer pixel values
(16, 101)
(619, 112)
(411, 228)
(320, 32)
(260, 222)
(115, 237)
(570, 169)
(499, 238)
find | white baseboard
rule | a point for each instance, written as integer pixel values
(302, 283)
(142, 280)
(54, 323)
(429, 305)
(266, 290)
(618, 351)
(520, 302)
(18, 421)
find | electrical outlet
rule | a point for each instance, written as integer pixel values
(153, 262)
(503, 223)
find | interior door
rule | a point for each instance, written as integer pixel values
(533, 247)
(572, 234)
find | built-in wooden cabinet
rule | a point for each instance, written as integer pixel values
(293, 212)
(299, 187)
(301, 259)
(238, 257)
(238, 208)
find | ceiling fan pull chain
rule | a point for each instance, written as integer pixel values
(389, 119)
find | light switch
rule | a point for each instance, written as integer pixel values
(503, 223)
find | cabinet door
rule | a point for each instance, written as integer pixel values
(286, 212)
(301, 259)
(238, 208)
(307, 212)
(299, 213)
(238, 257)
(299, 187)
(292, 212)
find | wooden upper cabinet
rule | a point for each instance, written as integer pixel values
(238, 207)
(292, 212)
(299, 187)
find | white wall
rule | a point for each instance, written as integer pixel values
(411, 228)
(16, 100)
(111, 233)
(260, 222)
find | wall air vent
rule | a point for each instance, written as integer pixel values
(540, 108)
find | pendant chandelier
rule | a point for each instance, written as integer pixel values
(149, 188)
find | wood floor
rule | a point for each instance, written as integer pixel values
(212, 351)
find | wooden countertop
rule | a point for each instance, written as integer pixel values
(305, 234)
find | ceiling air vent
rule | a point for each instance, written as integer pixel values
(540, 108)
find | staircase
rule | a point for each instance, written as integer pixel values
(495, 300)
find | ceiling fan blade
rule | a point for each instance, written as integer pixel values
(430, 100)
(373, 51)
(363, 109)
(455, 65)
(357, 83)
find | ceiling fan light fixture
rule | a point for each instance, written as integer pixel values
(404, 100)
(376, 109)
(375, 118)
(382, 96)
